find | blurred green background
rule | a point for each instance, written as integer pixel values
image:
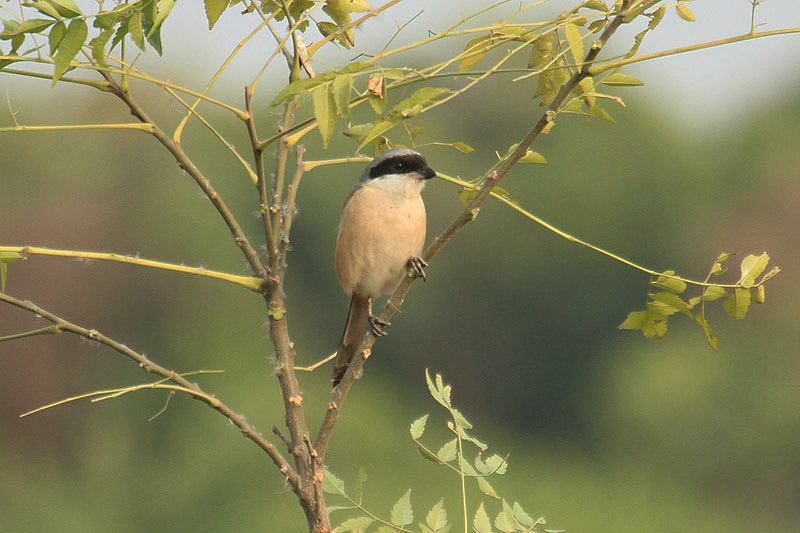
(605, 430)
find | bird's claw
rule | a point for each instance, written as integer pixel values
(377, 325)
(417, 266)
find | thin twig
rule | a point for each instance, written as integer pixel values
(149, 366)
(339, 393)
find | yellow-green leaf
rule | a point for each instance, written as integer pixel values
(69, 46)
(474, 52)
(542, 51)
(657, 17)
(670, 283)
(712, 339)
(714, 292)
(673, 301)
(533, 157)
(462, 147)
(135, 29)
(66, 8)
(436, 519)
(54, 37)
(379, 127)
(164, 8)
(418, 427)
(402, 514)
(739, 302)
(752, 267)
(685, 13)
(759, 296)
(575, 42)
(324, 112)
(622, 80)
(215, 8)
(341, 87)
(481, 522)
(358, 524)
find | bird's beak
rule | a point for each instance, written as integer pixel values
(428, 173)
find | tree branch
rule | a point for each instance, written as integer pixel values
(187, 165)
(149, 366)
(339, 393)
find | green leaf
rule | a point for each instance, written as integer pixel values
(136, 30)
(752, 267)
(622, 80)
(436, 519)
(533, 157)
(355, 525)
(56, 34)
(505, 520)
(98, 45)
(66, 8)
(462, 147)
(332, 484)
(657, 18)
(151, 31)
(597, 25)
(575, 42)
(412, 105)
(69, 46)
(714, 292)
(45, 8)
(379, 127)
(673, 301)
(712, 339)
(543, 49)
(449, 451)
(324, 112)
(685, 13)
(342, 87)
(33, 26)
(597, 5)
(164, 8)
(5, 259)
(759, 296)
(402, 515)
(439, 391)
(378, 103)
(486, 487)
(481, 522)
(418, 427)
(495, 465)
(652, 323)
(599, 112)
(215, 8)
(474, 51)
(428, 455)
(466, 196)
(522, 517)
(300, 86)
(738, 303)
(667, 282)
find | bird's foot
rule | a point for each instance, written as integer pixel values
(377, 325)
(417, 266)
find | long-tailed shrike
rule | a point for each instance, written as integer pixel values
(380, 239)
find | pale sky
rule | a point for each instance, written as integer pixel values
(709, 87)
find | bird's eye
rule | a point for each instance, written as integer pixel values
(399, 165)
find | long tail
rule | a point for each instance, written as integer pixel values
(351, 338)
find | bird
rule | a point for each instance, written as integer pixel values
(380, 240)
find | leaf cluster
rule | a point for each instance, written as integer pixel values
(510, 518)
(664, 297)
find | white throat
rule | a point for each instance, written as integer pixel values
(398, 185)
